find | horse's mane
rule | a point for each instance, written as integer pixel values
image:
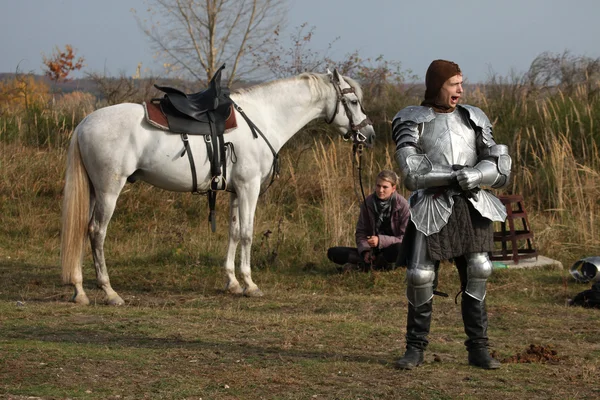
(319, 84)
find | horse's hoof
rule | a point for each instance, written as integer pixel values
(81, 299)
(234, 289)
(256, 292)
(115, 301)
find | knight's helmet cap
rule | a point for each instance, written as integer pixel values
(586, 270)
(439, 71)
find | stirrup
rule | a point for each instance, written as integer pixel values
(218, 183)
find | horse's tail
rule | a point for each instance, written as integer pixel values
(75, 214)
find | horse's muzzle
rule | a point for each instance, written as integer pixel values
(366, 136)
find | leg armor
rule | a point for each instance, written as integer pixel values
(479, 268)
(474, 315)
(420, 273)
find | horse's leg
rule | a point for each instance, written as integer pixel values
(233, 286)
(248, 197)
(102, 212)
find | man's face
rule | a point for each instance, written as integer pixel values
(450, 92)
(384, 189)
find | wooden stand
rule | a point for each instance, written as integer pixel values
(512, 235)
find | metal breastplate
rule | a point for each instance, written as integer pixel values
(449, 139)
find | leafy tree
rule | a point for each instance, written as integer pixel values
(21, 95)
(197, 36)
(62, 63)
(21, 91)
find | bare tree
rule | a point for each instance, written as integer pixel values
(565, 71)
(121, 89)
(198, 36)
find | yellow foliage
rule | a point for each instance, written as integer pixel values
(21, 92)
(62, 63)
(79, 103)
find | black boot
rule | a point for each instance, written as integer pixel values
(475, 320)
(412, 358)
(480, 357)
(418, 322)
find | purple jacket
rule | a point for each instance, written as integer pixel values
(366, 222)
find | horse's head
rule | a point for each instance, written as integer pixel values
(352, 120)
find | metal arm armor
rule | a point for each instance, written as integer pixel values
(495, 165)
(405, 125)
(418, 172)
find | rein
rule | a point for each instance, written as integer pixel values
(358, 148)
(358, 138)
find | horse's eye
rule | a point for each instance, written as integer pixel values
(355, 102)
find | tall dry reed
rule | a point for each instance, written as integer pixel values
(561, 182)
(344, 177)
(553, 139)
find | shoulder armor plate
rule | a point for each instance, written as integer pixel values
(416, 114)
(477, 116)
(480, 120)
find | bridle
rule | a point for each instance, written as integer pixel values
(354, 131)
(358, 139)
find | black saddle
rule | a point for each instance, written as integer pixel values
(202, 113)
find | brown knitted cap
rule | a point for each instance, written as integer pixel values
(439, 71)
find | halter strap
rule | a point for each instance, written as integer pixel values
(355, 128)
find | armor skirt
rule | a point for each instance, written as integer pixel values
(466, 232)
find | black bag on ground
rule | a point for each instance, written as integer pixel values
(588, 298)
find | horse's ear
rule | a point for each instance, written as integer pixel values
(336, 75)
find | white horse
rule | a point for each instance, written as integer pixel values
(116, 142)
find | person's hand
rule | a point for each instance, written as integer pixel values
(469, 178)
(373, 241)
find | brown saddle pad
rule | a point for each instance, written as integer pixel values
(157, 118)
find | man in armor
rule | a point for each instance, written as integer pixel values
(446, 153)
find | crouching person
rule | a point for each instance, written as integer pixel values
(379, 231)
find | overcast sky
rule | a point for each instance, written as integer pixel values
(480, 35)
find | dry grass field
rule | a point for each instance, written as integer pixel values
(315, 334)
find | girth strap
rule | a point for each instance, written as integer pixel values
(216, 156)
(186, 149)
(215, 148)
(216, 152)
